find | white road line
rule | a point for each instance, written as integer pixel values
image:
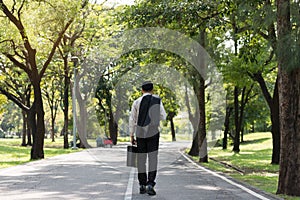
(226, 179)
(128, 194)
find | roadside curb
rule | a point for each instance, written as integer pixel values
(250, 187)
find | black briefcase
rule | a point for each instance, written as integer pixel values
(132, 156)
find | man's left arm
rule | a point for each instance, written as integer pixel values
(132, 122)
(163, 114)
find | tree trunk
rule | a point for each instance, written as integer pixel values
(24, 129)
(242, 134)
(289, 174)
(198, 81)
(173, 128)
(37, 122)
(82, 122)
(194, 151)
(275, 126)
(52, 127)
(289, 104)
(66, 103)
(28, 127)
(28, 130)
(273, 104)
(236, 145)
(113, 127)
(241, 116)
(203, 155)
(226, 125)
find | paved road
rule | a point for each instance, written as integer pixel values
(101, 173)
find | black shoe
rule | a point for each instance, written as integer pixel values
(143, 189)
(150, 190)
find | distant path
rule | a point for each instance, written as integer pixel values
(101, 173)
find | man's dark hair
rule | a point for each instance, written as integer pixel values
(147, 86)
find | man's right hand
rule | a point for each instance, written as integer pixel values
(132, 140)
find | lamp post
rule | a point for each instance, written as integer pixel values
(75, 60)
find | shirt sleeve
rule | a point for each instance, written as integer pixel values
(133, 119)
(163, 114)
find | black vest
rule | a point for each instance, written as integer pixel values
(149, 116)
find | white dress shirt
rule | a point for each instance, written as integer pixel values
(133, 118)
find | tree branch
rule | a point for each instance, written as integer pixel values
(18, 25)
(259, 78)
(18, 64)
(13, 98)
(270, 58)
(55, 45)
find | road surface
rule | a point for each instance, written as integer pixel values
(101, 173)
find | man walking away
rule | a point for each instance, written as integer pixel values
(146, 113)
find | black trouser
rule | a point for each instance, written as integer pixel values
(147, 147)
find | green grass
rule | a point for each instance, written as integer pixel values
(12, 153)
(254, 160)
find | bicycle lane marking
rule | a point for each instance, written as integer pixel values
(225, 179)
